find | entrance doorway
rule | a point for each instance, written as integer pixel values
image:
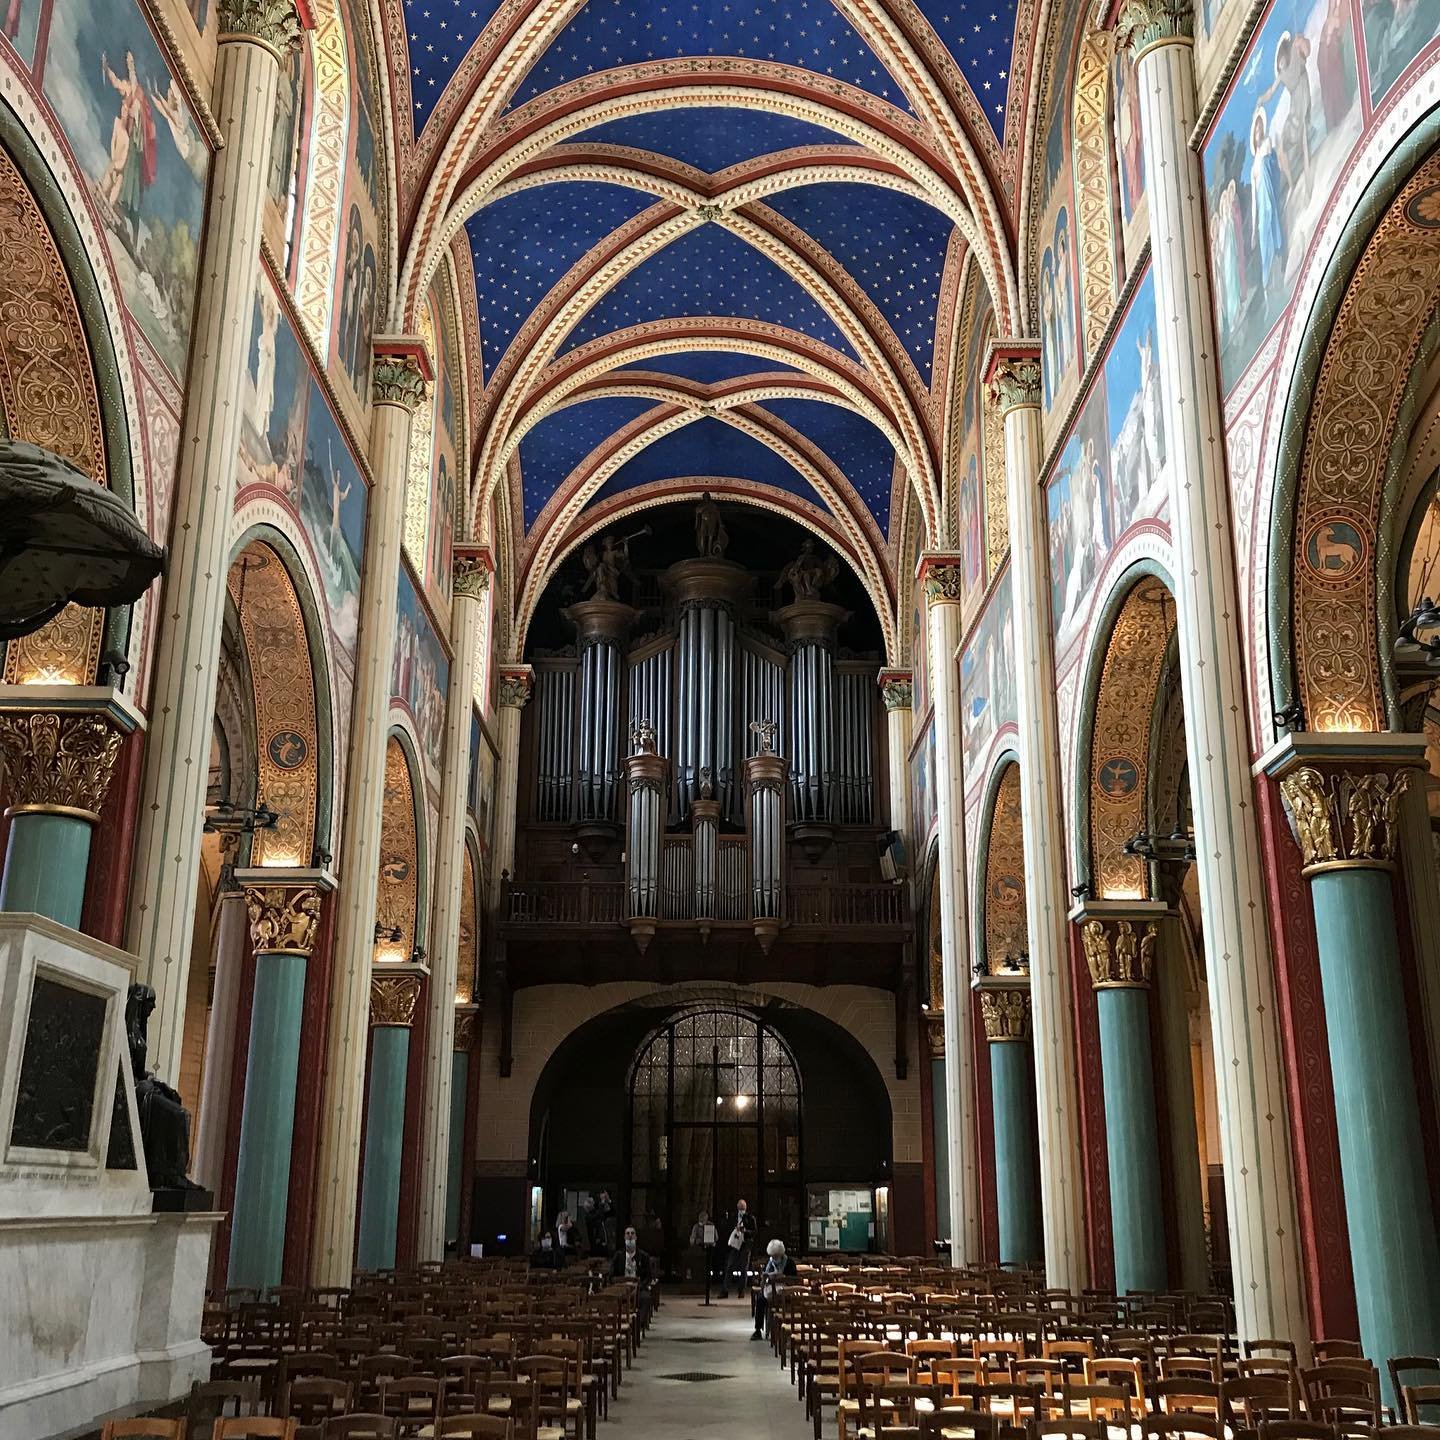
(715, 1117)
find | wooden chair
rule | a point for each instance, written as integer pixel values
(412, 1401)
(1070, 1427)
(1295, 1430)
(475, 1427)
(1109, 1404)
(1326, 1350)
(211, 1400)
(1414, 1399)
(1411, 1432)
(313, 1400)
(360, 1427)
(1344, 1393)
(253, 1427)
(1265, 1349)
(1267, 1397)
(146, 1427)
(1193, 1397)
(946, 1422)
(1175, 1424)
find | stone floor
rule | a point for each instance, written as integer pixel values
(750, 1398)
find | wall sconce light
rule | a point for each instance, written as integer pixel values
(417, 955)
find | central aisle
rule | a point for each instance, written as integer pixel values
(752, 1398)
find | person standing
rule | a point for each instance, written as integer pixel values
(567, 1239)
(737, 1251)
(597, 1222)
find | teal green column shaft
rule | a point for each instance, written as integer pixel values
(267, 1123)
(45, 866)
(1393, 1243)
(454, 1180)
(1131, 1138)
(384, 1140)
(941, 1133)
(1017, 1155)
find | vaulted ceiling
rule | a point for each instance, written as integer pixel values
(713, 241)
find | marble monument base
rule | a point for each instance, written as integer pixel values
(99, 1317)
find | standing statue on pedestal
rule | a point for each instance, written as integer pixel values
(809, 572)
(164, 1120)
(607, 563)
(711, 537)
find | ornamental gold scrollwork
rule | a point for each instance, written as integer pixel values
(1015, 382)
(516, 687)
(1122, 960)
(471, 576)
(58, 762)
(935, 1033)
(393, 999)
(1143, 23)
(284, 919)
(1006, 1014)
(897, 690)
(464, 1030)
(275, 23)
(397, 380)
(1345, 817)
(944, 583)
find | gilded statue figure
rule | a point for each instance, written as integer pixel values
(809, 572)
(1097, 950)
(1126, 947)
(1147, 952)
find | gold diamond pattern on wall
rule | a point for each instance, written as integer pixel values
(49, 397)
(421, 462)
(284, 685)
(469, 935)
(1094, 203)
(1005, 933)
(398, 895)
(1353, 417)
(1120, 742)
(992, 451)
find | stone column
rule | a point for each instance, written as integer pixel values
(398, 382)
(254, 39)
(517, 684)
(1005, 1010)
(394, 994)
(897, 690)
(1015, 381)
(1119, 942)
(464, 1042)
(942, 578)
(1254, 1128)
(1345, 810)
(57, 765)
(939, 1121)
(284, 920)
(472, 577)
(212, 1121)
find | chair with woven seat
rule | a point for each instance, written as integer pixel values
(1197, 1397)
(1326, 1350)
(313, 1399)
(1182, 1425)
(1344, 1393)
(951, 1422)
(475, 1427)
(144, 1427)
(253, 1427)
(414, 1402)
(1414, 1402)
(1265, 1397)
(360, 1427)
(211, 1400)
(1294, 1430)
(1109, 1404)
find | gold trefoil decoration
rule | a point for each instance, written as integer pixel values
(1345, 817)
(1122, 961)
(393, 999)
(58, 762)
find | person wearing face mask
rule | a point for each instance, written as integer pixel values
(543, 1256)
(737, 1252)
(630, 1262)
(779, 1268)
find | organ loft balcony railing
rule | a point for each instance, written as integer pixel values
(593, 903)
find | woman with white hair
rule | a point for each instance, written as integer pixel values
(778, 1268)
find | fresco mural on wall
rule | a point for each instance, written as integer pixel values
(1059, 313)
(922, 783)
(987, 677)
(971, 496)
(1395, 33)
(272, 437)
(919, 654)
(420, 671)
(20, 25)
(1129, 156)
(1113, 469)
(142, 155)
(446, 474)
(1290, 119)
(282, 178)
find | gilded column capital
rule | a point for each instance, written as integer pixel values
(397, 379)
(517, 684)
(1006, 1013)
(466, 1017)
(1014, 379)
(58, 762)
(393, 998)
(284, 919)
(1143, 23)
(280, 25)
(897, 689)
(1345, 819)
(1119, 956)
(943, 579)
(471, 571)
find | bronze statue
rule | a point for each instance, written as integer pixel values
(607, 563)
(164, 1120)
(764, 732)
(711, 537)
(642, 738)
(809, 572)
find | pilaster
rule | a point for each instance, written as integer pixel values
(897, 692)
(517, 684)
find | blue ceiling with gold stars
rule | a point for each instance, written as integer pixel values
(710, 137)
(879, 250)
